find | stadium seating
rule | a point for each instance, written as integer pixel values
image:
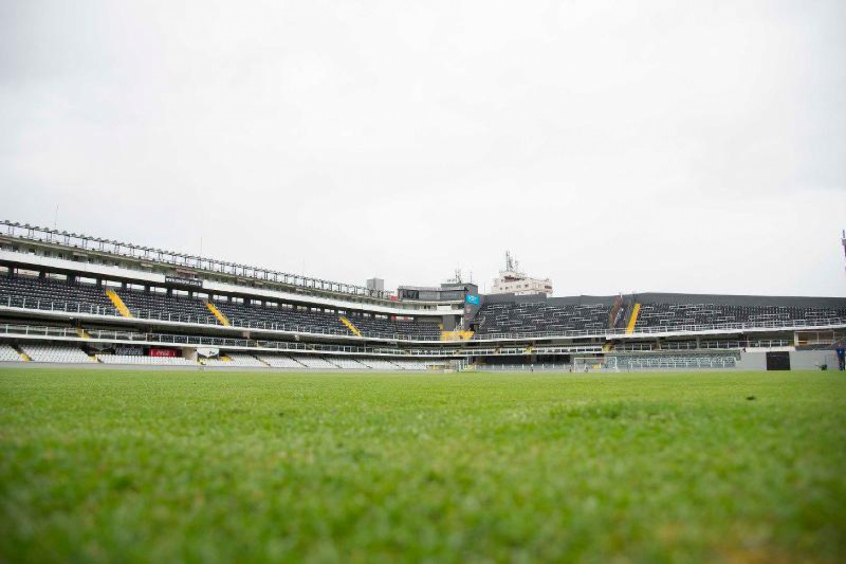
(236, 360)
(306, 320)
(378, 364)
(280, 361)
(372, 326)
(46, 293)
(682, 361)
(65, 354)
(670, 316)
(281, 318)
(161, 306)
(410, 364)
(654, 315)
(348, 363)
(145, 360)
(540, 317)
(9, 354)
(315, 362)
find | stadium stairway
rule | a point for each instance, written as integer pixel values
(218, 314)
(616, 310)
(633, 319)
(353, 329)
(118, 303)
(456, 335)
(24, 357)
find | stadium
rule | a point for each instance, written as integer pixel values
(76, 299)
(182, 403)
(260, 297)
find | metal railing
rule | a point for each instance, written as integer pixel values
(28, 302)
(181, 340)
(522, 351)
(670, 362)
(702, 345)
(524, 367)
(128, 250)
(827, 323)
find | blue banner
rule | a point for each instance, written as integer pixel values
(472, 300)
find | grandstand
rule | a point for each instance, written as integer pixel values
(71, 299)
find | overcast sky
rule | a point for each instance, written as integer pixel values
(613, 146)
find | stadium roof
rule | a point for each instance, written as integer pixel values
(185, 260)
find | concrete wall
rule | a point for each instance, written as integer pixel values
(811, 360)
(799, 360)
(752, 361)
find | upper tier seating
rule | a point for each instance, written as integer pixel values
(29, 292)
(45, 293)
(282, 318)
(670, 316)
(161, 306)
(313, 321)
(540, 317)
(371, 326)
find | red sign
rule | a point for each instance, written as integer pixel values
(162, 352)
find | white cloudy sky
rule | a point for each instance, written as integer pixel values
(613, 146)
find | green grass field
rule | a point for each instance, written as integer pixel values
(164, 466)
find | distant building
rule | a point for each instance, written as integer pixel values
(843, 241)
(377, 284)
(514, 281)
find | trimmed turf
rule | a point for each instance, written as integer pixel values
(162, 466)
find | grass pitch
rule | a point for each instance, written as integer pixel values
(163, 466)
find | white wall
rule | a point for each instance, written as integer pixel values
(752, 361)
(811, 360)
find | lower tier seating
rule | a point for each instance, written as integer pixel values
(9, 354)
(410, 364)
(378, 364)
(280, 361)
(241, 360)
(677, 361)
(347, 363)
(65, 354)
(315, 362)
(145, 360)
